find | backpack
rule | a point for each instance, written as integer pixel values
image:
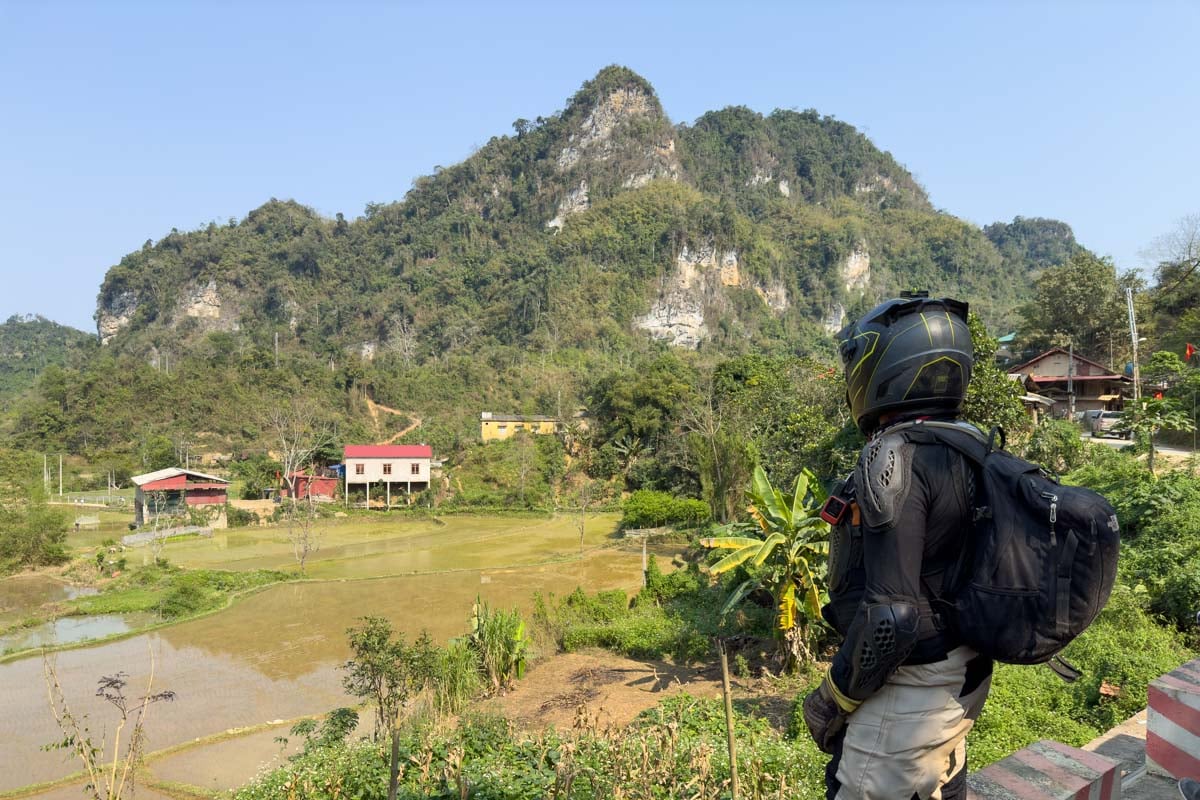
(1042, 559)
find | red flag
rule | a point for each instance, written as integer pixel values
(1191, 351)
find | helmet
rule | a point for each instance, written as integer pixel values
(907, 354)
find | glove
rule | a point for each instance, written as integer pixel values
(825, 716)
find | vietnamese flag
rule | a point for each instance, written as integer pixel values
(1191, 351)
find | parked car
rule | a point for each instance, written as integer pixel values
(1105, 422)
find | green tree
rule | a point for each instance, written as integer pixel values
(784, 548)
(386, 670)
(1080, 302)
(1151, 418)
(993, 399)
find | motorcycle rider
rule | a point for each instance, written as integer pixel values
(895, 707)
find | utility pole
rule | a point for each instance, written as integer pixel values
(60, 474)
(276, 349)
(1071, 380)
(1137, 374)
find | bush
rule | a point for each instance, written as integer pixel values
(239, 517)
(1055, 445)
(647, 508)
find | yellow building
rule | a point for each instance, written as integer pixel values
(494, 427)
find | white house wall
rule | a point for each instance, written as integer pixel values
(402, 470)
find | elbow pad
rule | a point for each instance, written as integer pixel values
(882, 637)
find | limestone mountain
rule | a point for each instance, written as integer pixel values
(604, 219)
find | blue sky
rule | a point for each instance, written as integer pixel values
(120, 121)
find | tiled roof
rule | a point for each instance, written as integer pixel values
(388, 451)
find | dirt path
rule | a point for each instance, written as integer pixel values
(374, 409)
(609, 687)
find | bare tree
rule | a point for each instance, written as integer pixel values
(304, 528)
(109, 777)
(1179, 247)
(160, 529)
(299, 431)
(403, 338)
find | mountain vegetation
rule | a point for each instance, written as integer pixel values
(600, 257)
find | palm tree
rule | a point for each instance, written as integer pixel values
(784, 548)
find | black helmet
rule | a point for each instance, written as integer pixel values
(908, 354)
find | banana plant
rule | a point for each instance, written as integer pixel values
(784, 547)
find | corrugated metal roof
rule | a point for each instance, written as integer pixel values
(487, 416)
(172, 472)
(388, 451)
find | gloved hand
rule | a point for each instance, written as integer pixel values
(824, 717)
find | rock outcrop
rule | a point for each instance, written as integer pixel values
(116, 315)
(688, 295)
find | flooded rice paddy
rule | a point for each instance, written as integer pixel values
(274, 655)
(22, 595)
(70, 630)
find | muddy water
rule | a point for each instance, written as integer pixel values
(69, 630)
(363, 547)
(271, 656)
(21, 595)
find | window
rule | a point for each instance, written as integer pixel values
(359, 469)
(416, 469)
(501, 428)
(387, 469)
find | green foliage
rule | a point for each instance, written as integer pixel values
(1081, 301)
(500, 643)
(486, 757)
(1147, 418)
(993, 399)
(385, 669)
(646, 508)
(1055, 445)
(257, 473)
(29, 345)
(331, 732)
(1032, 243)
(675, 616)
(1124, 648)
(32, 534)
(784, 549)
(172, 592)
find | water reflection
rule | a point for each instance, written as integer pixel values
(21, 595)
(68, 630)
(272, 655)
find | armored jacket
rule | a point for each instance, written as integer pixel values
(903, 538)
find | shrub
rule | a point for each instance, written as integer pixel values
(239, 517)
(1055, 445)
(647, 508)
(500, 643)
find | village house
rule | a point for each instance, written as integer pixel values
(318, 487)
(398, 467)
(1055, 374)
(172, 492)
(495, 427)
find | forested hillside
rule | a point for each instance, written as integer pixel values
(548, 267)
(29, 344)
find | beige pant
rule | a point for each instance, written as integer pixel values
(908, 739)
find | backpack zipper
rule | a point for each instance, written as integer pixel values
(1053, 498)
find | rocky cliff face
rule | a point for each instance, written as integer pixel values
(598, 144)
(114, 317)
(692, 293)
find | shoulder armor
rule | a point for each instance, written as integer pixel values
(883, 478)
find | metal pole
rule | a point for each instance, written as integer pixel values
(1137, 375)
(60, 474)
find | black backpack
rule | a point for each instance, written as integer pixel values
(1041, 562)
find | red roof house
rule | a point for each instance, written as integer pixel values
(170, 491)
(399, 467)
